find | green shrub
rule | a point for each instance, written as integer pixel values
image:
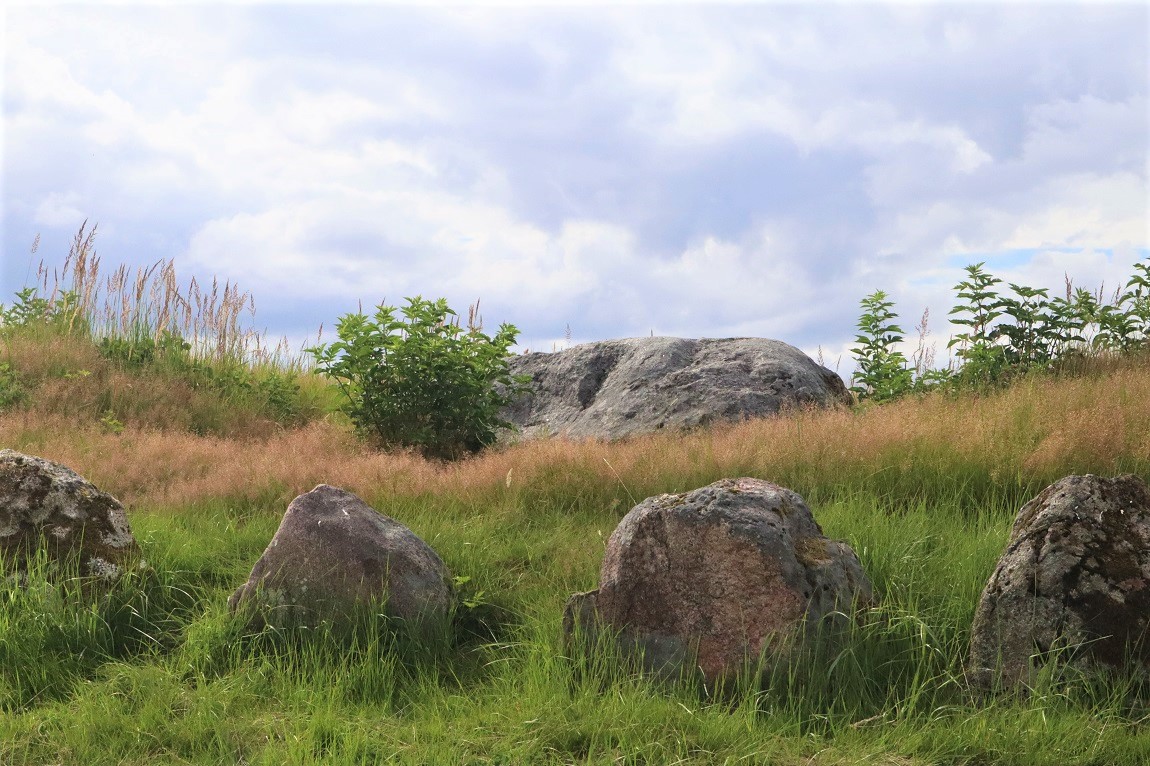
(1133, 326)
(422, 380)
(62, 311)
(1003, 336)
(982, 360)
(883, 373)
(1036, 334)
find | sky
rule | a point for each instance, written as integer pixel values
(586, 171)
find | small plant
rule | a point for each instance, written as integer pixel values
(11, 391)
(420, 379)
(31, 309)
(110, 423)
(1035, 335)
(469, 597)
(1136, 304)
(982, 359)
(883, 371)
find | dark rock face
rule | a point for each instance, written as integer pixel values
(1074, 583)
(48, 505)
(334, 552)
(717, 577)
(617, 388)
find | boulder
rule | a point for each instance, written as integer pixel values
(48, 507)
(333, 553)
(618, 388)
(1073, 584)
(717, 577)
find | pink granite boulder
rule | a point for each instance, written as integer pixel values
(716, 578)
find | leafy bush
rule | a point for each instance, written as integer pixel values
(1003, 336)
(30, 309)
(982, 360)
(421, 380)
(1127, 325)
(883, 373)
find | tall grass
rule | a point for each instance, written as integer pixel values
(1004, 445)
(144, 306)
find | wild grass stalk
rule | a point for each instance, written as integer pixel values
(145, 305)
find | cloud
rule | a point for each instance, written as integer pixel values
(716, 171)
(59, 210)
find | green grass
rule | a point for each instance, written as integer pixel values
(159, 673)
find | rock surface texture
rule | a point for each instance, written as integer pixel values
(1074, 581)
(716, 577)
(332, 553)
(617, 388)
(45, 505)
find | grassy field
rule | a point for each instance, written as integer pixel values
(924, 489)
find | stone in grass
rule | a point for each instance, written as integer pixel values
(716, 578)
(615, 389)
(47, 509)
(332, 555)
(1073, 585)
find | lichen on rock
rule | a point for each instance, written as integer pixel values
(46, 506)
(1073, 585)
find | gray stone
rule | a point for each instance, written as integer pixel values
(45, 506)
(618, 388)
(332, 554)
(718, 577)
(1073, 584)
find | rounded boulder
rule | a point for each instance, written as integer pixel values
(332, 554)
(718, 577)
(46, 506)
(1072, 585)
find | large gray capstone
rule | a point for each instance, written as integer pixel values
(717, 577)
(46, 506)
(617, 388)
(332, 554)
(1073, 584)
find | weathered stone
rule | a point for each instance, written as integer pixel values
(718, 577)
(1073, 584)
(618, 388)
(334, 553)
(45, 506)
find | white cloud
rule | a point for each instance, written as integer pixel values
(59, 209)
(601, 168)
(1085, 210)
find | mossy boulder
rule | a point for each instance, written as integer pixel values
(1073, 585)
(618, 388)
(49, 512)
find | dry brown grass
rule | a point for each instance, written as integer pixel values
(1036, 431)
(66, 376)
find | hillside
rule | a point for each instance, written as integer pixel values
(924, 489)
